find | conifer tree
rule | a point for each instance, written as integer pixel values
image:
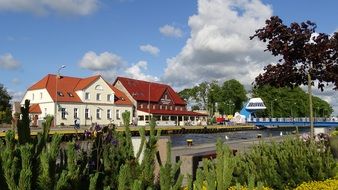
(148, 163)
(168, 173)
(23, 125)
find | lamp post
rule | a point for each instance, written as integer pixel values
(149, 102)
(56, 94)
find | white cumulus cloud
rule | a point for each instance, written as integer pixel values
(101, 62)
(8, 62)
(136, 71)
(219, 47)
(150, 49)
(171, 31)
(41, 7)
(16, 95)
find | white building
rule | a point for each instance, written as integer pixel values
(91, 100)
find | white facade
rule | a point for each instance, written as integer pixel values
(96, 106)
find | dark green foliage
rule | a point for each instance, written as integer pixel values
(47, 175)
(276, 99)
(168, 180)
(23, 125)
(148, 163)
(229, 96)
(129, 151)
(225, 163)
(32, 165)
(286, 164)
(5, 106)
(209, 174)
(93, 181)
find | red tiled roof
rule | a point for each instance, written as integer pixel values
(121, 98)
(85, 82)
(64, 85)
(172, 112)
(69, 85)
(149, 91)
(34, 108)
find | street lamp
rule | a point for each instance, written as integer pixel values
(149, 102)
(271, 106)
(56, 94)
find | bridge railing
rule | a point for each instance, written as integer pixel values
(291, 119)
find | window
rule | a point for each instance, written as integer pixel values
(41, 95)
(70, 94)
(33, 96)
(87, 96)
(154, 107)
(98, 87)
(60, 93)
(118, 114)
(160, 107)
(108, 114)
(76, 113)
(141, 117)
(98, 96)
(108, 97)
(98, 113)
(141, 105)
(63, 113)
(45, 111)
(87, 113)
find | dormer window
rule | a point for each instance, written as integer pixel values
(87, 96)
(70, 94)
(60, 94)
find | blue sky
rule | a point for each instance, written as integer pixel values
(179, 42)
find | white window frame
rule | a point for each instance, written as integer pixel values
(87, 96)
(63, 113)
(76, 113)
(98, 113)
(108, 114)
(87, 113)
(98, 97)
(118, 117)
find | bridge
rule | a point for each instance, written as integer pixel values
(249, 109)
(293, 122)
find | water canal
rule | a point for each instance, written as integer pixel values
(198, 138)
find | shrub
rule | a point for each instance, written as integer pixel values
(334, 145)
(286, 165)
(328, 184)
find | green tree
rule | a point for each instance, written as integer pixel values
(305, 55)
(289, 102)
(233, 95)
(5, 106)
(23, 128)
